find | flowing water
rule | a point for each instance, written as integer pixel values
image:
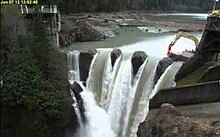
(73, 66)
(114, 96)
(151, 43)
(98, 124)
(116, 100)
(184, 17)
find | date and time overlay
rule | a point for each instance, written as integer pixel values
(7, 2)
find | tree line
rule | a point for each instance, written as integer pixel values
(75, 6)
(72, 6)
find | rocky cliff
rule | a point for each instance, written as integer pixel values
(169, 122)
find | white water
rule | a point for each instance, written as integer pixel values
(130, 99)
(124, 97)
(115, 101)
(106, 80)
(141, 100)
(189, 15)
(167, 78)
(109, 77)
(121, 99)
(98, 124)
(95, 81)
(119, 95)
(158, 46)
(92, 110)
(118, 101)
(74, 76)
(73, 66)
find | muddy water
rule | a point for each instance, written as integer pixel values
(153, 42)
(132, 39)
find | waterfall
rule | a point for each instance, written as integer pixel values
(167, 78)
(94, 83)
(109, 80)
(139, 108)
(131, 98)
(79, 132)
(96, 116)
(116, 100)
(73, 75)
(73, 66)
(98, 124)
(120, 95)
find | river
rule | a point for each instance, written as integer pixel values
(153, 42)
(115, 99)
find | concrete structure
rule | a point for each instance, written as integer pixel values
(51, 18)
(208, 49)
(45, 9)
(206, 111)
(186, 95)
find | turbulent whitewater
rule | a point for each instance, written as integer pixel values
(116, 99)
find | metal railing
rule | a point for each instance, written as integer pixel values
(29, 9)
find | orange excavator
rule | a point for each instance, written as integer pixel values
(178, 36)
(212, 13)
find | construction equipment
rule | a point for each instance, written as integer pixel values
(214, 5)
(178, 36)
(215, 13)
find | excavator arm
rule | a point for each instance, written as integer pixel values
(178, 36)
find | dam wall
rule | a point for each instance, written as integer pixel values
(192, 94)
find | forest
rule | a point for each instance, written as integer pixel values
(34, 84)
(71, 6)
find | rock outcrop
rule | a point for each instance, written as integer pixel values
(85, 32)
(77, 89)
(114, 55)
(137, 60)
(162, 66)
(168, 122)
(75, 30)
(85, 59)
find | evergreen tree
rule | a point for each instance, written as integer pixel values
(21, 77)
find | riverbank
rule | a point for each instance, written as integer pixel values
(97, 26)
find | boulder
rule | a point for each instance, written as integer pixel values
(137, 60)
(85, 59)
(85, 32)
(168, 122)
(114, 55)
(78, 31)
(77, 89)
(162, 66)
